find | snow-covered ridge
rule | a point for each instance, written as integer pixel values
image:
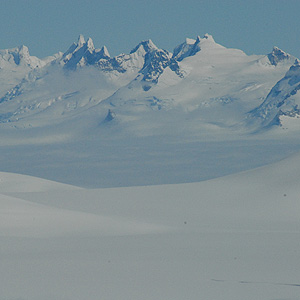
(283, 99)
(82, 53)
(19, 56)
(16, 63)
(200, 75)
(277, 56)
(190, 47)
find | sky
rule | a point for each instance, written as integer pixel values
(47, 27)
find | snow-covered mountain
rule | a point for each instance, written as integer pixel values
(282, 103)
(16, 63)
(125, 119)
(212, 86)
(145, 58)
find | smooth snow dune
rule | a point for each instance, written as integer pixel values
(266, 198)
(11, 182)
(231, 238)
(21, 218)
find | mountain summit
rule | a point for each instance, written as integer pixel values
(277, 56)
(144, 46)
(190, 47)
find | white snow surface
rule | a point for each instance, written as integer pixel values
(11, 182)
(235, 237)
(124, 194)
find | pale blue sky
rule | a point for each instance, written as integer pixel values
(49, 26)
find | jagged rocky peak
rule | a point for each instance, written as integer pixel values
(21, 54)
(81, 40)
(277, 56)
(16, 55)
(155, 63)
(144, 46)
(190, 47)
(103, 52)
(81, 43)
(181, 51)
(137, 60)
(83, 53)
(90, 44)
(197, 46)
(207, 42)
(23, 51)
(110, 116)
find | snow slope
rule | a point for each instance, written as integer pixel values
(16, 63)
(235, 237)
(282, 103)
(10, 182)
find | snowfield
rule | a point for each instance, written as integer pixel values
(235, 237)
(150, 175)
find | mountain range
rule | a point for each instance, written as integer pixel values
(147, 117)
(201, 80)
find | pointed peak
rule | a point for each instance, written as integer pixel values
(110, 116)
(81, 40)
(90, 44)
(278, 51)
(20, 54)
(103, 52)
(189, 48)
(183, 50)
(198, 39)
(147, 45)
(277, 55)
(23, 49)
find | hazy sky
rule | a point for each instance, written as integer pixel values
(49, 26)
